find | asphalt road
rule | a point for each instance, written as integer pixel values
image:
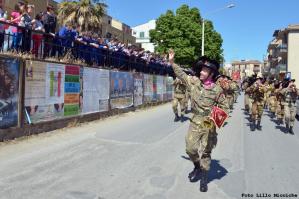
(141, 155)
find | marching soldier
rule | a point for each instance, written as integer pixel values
(179, 99)
(245, 85)
(291, 94)
(237, 91)
(201, 137)
(258, 90)
(280, 104)
(272, 98)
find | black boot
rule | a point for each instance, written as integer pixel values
(176, 117)
(204, 182)
(291, 130)
(182, 118)
(258, 126)
(253, 126)
(287, 126)
(193, 175)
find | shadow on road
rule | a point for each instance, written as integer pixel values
(282, 129)
(216, 170)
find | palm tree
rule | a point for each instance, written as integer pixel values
(85, 13)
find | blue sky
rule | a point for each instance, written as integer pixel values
(246, 29)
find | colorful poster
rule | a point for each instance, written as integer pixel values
(9, 92)
(72, 90)
(169, 88)
(44, 90)
(138, 89)
(95, 90)
(165, 88)
(160, 88)
(121, 89)
(148, 87)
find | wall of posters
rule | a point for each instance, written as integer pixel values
(9, 92)
(160, 87)
(155, 97)
(121, 89)
(95, 90)
(148, 87)
(138, 89)
(169, 88)
(44, 90)
(165, 88)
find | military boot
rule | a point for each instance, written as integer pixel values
(204, 182)
(291, 130)
(182, 118)
(193, 175)
(176, 118)
(288, 126)
(258, 126)
(253, 126)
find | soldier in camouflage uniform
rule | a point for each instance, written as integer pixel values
(237, 91)
(179, 99)
(280, 104)
(272, 99)
(258, 91)
(201, 138)
(291, 94)
(246, 95)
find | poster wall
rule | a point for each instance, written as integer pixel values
(148, 87)
(121, 90)
(95, 90)
(169, 88)
(160, 87)
(138, 89)
(155, 97)
(44, 90)
(9, 92)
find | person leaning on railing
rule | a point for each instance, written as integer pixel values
(3, 17)
(37, 36)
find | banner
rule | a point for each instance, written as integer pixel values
(121, 90)
(44, 90)
(95, 90)
(138, 89)
(169, 88)
(160, 85)
(9, 92)
(148, 87)
(72, 90)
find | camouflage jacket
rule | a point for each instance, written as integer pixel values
(290, 96)
(257, 93)
(202, 99)
(180, 89)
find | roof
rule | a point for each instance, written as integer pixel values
(246, 62)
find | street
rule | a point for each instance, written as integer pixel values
(141, 155)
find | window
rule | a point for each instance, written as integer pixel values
(141, 34)
(134, 33)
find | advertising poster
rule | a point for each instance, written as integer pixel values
(169, 88)
(160, 87)
(148, 87)
(9, 92)
(138, 89)
(72, 89)
(44, 90)
(95, 90)
(155, 97)
(121, 90)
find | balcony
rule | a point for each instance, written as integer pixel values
(282, 68)
(282, 48)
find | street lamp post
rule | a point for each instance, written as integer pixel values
(203, 27)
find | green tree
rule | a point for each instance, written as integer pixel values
(182, 32)
(85, 13)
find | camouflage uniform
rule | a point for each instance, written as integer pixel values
(290, 106)
(258, 93)
(272, 101)
(179, 97)
(199, 140)
(280, 105)
(237, 90)
(246, 96)
(230, 94)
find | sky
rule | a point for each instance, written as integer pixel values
(246, 29)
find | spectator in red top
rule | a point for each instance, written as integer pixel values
(15, 19)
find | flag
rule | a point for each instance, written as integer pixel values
(218, 116)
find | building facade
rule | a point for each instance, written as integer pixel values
(142, 34)
(282, 53)
(246, 68)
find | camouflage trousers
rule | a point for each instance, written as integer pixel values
(199, 144)
(280, 110)
(272, 104)
(257, 110)
(250, 103)
(290, 113)
(176, 102)
(230, 99)
(246, 102)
